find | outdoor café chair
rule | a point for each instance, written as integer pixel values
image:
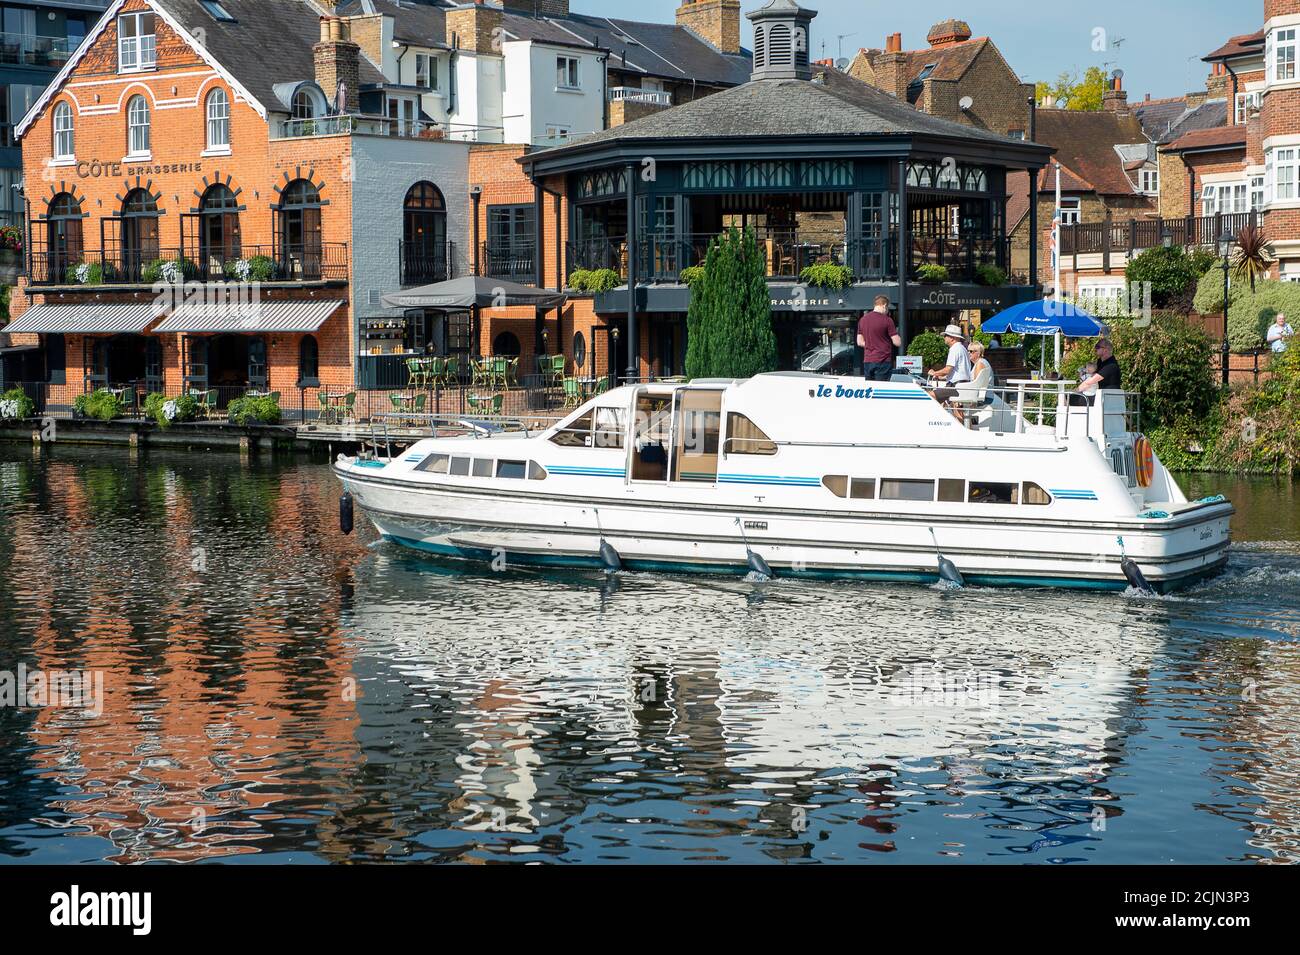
(572, 392)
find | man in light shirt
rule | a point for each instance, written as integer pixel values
(1278, 333)
(956, 369)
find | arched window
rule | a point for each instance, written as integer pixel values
(299, 229)
(506, 344)
(219, 240)
(64, 138)
(218, 111)
(64, 236)
(137, 125)
(424, 235)
(308, 361)
(139, 233)
(304, 105)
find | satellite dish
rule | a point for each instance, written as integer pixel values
(965, 103)
(842, 63)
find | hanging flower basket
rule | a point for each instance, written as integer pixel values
(11, 254)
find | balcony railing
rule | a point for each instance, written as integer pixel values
(634, 94)
(326, 262)
(355, 123)
(27, 50)
(514, 261)
(1135, 235)
(788, 254)
(423, 264)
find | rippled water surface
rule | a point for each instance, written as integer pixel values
(275, 692)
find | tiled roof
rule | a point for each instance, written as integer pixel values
(1246, 44)
(270, 43)
(1226, 136)
(1085, 146)
(420, 24)
(950, 62)
(837, 105)
(1167, 120)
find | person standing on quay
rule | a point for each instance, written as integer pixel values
(1278, 333)
(878, 337)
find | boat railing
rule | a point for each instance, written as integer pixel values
(1049, 407)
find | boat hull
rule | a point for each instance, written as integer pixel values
(529, 530)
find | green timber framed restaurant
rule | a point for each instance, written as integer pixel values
(823, 168)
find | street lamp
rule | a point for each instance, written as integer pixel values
(1167, 237)
(1225, 249)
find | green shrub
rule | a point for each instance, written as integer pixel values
(1007, 339)
(257, 268)
(932, 349)
(87, 273)
(1168, 363)
(102, 405)
(827, 275)
(932, 274)
(691, 274)
(173, 271)
(1171, 271)
(182, 408)
(990, 275)
(1249, 313)
(16, 405)
(250, 410)
(594, 281)
(1081, 354)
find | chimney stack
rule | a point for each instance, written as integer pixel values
(894, 43)
(948, 33)
(536, 8)
(717, 22)
(1115, 99)
(338, 64)
(475, 27)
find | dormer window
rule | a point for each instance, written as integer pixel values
(304, 105)
(1150, 180)
(136, 44)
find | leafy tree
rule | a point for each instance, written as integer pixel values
(1171, 271)
(1083, 95)
(1248, 312)
(1168, 363)
(729, 322)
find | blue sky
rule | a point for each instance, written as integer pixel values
(1163, 40)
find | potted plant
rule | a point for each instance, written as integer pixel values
(11, 253)
(15, 405)
(932, 274)
(827, 275)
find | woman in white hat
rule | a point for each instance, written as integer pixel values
(957, 369)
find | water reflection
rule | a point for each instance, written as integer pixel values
(274, 691)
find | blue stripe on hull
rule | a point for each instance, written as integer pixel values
(741, 570)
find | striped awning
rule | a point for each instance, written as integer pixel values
(252, 317)
(86, 318)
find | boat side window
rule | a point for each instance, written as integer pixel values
(513, 470)
(434, 464)
(698, 429)
(574, 434)
(536, 472)
(837, 484)
(460, 467)
(608, 429)
(952, 491)
(650, 446)
(988, 492)
(745, 437)
(863, 489)
(483, 467)
(903, 489)
(1034, 494)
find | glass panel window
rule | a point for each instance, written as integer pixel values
(837, 484)
(1209, 199)
(218, 120)
(460, 466)
(567, 75)
(1284, 49)
(1256, 192)
(1284, 173)
(536, 472)
(650, 446)
(512, 470)
(986, 492)
(1034, 494)
(482, 467)
(1070, 212)
(435, 464)
(574, 434)
(952, 491)
(426, 71)
(136, 49)
(137, 119)
(905, 489)
(1150, 181)
(608, 430)
(64, 141)
(863, 489)
(745, 437)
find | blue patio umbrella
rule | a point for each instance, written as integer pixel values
(1045, 317)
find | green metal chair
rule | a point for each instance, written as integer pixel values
(572, 392)
(491, 404)
(435, 371)
(602, 385)
(349, 406)
(557, 369)
(415, 372)
(497, 371)
(512, 372)
(418, 408)
(451, 373)
(326, 409)
(274, 396)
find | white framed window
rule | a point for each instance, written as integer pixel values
(1209, 199)
(64, 135)
(1070, 210)
(136, 44)
(304, 105)
(568, 75)
(1234, 195)
(426, 71)
(1256, 192)
(1245, 103)
(556, 133)
(1150, 180)
(218, 111)
(1284, 170)
(1281, 55)
(402, 113)
(137, 125)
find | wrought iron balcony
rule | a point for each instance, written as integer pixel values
(322, 262)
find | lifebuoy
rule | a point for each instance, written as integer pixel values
(1146, 461)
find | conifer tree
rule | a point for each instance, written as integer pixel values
(729, 323)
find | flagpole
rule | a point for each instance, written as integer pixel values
(1056, 256)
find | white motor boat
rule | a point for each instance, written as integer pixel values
(792, 473)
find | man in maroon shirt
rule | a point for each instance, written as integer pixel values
(876, 335)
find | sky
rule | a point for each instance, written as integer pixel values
(1157, 43)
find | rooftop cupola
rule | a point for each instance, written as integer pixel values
(781, 41)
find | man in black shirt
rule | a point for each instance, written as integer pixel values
(1108, 373)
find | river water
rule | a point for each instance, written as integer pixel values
(275, 692)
